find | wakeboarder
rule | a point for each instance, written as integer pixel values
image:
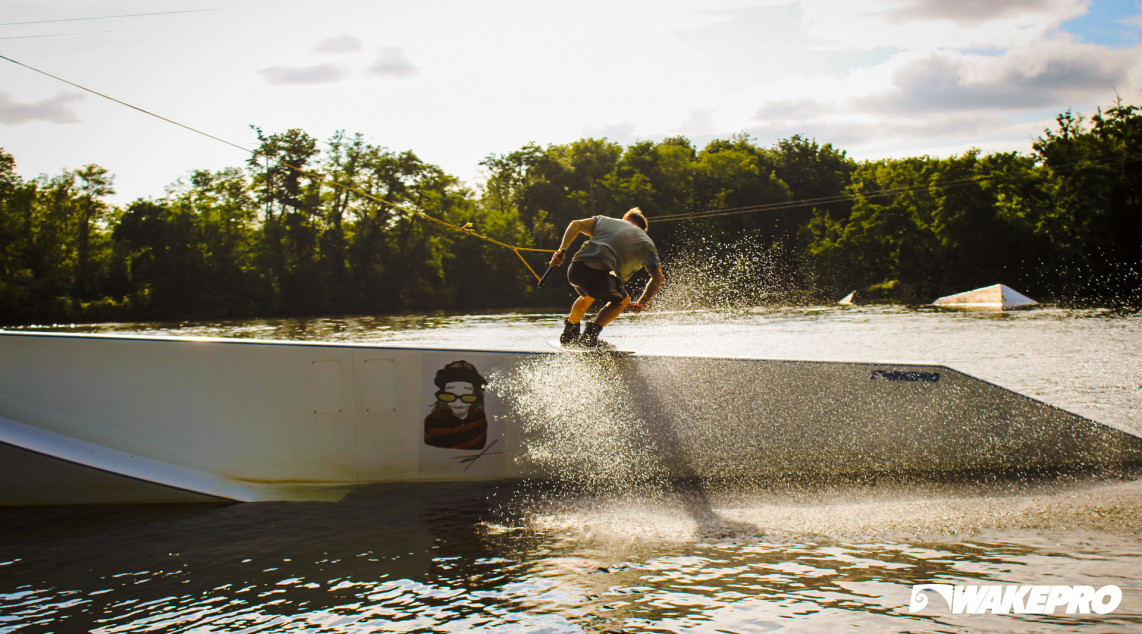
(615, 250)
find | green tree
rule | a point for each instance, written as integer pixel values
(14, 236)
(52, 253)
(345, 165)
(886, 244)
(814, 172)
(162, 247)
(569, 183)
(221, 208)
(508, 182)
(290, 196)
(734, 173)
(94, 182)
(1096, 185)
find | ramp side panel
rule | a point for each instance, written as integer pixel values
(695, 416)
(264, 420)
(251, 413)
(848, 416)
(385, 393)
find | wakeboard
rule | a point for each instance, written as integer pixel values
(608, 350)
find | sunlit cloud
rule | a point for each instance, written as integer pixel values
(975, 12)
(1040, 77)
(57, 109)
(955, 89)
(936, 24)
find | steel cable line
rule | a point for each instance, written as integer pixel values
(105, 17)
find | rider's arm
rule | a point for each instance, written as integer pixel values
(651, 289)
(585, 226)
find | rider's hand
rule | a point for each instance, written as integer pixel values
(636, 307)
(557, 259)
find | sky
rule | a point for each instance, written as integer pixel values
(455, 81)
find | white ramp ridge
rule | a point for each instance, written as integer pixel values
(996, 296)
(133, 478)
(87, 418)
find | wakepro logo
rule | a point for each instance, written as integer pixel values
(1018, 599)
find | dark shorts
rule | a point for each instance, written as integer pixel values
(592, 282)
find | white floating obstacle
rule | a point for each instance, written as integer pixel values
(852, 299)
(996, 296)
(99, 418)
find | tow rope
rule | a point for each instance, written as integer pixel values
(467, 228)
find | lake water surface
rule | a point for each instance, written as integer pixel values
(551, 557)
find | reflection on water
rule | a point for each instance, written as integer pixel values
(531, 556)
(649, 556)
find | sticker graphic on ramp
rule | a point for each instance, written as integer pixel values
(458, 419)
(458, 436)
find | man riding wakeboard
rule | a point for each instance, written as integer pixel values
(615, 251)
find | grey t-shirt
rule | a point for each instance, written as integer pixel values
(620, 245)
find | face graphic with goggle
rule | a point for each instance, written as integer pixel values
(459, 395)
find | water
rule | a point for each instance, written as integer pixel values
(586, 557)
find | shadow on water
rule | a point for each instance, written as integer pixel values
(691, 493)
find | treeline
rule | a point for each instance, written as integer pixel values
(277, 237)
(1063, 224)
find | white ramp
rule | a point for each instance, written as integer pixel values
(87, 418)
(996, 297)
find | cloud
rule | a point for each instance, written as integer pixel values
(392, 62)
(1050, 75)
(56, 109)
(320, 74)
(971, 12)
(936, 24)
(339, 44)
(920, 100)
